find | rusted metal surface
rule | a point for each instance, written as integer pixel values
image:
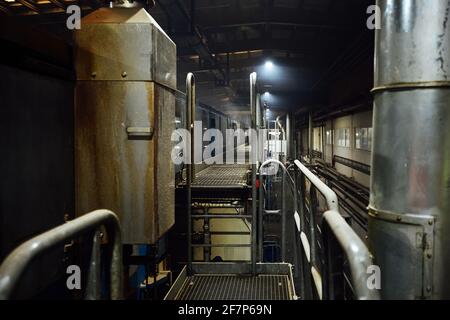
(124, 44)
(124, 118)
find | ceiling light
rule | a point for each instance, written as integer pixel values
(268, 64)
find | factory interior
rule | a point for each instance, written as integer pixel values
(215, 150)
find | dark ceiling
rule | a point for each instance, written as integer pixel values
(309, 42)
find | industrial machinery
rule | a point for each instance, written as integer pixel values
(124, 118)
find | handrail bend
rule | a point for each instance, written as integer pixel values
(357, 253)
(19, 259)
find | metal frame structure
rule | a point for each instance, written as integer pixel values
(282, 212)
(219, 186)
(19, 260)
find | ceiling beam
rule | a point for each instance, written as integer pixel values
(254, 44)
(58, 4)
(220, 28)
(30, 5)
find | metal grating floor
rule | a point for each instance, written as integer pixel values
(222, 175)
(234, 287)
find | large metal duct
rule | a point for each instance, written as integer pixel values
(409, 225)
(124, 118)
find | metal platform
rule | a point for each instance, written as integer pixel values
(225, 281)
(222, 176)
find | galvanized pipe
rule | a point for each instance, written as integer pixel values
(409, 222)
(288, 136)
(19, 260)
(253, 120)
(283, 217)
(310, 137)
(190, 170)
(94, 272)
(260, 215)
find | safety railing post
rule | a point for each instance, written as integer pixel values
(190, 170)
(254, 194)
(260, 215)
(18, 261)
(283, 217)
(93, 277)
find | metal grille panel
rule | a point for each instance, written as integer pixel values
(235, 287)
(222, 175)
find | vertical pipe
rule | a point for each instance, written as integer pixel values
(283, 217)
(260, 215)
(293, 137)
(260, 125)
(93, 278)
(409, 211)
(332, 141)
(190, 118)
(253, 115)
(288, 136)
(310, 137)
(324, 141)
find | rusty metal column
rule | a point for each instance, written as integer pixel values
(409, 222)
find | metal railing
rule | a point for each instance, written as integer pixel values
(321, 271)
(262, 205)
(18, 261)
(253, 106)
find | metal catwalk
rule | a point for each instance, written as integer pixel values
(222, 176)
(236, 287)
(225, 281)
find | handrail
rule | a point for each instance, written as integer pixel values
(19, 260)
(358, 256)
(329, 194)
(357, 253)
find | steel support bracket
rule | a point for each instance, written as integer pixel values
(424, 240)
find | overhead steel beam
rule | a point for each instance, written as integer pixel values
(30, 5)
(259, 44)
(277, 23)
(59, 4)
